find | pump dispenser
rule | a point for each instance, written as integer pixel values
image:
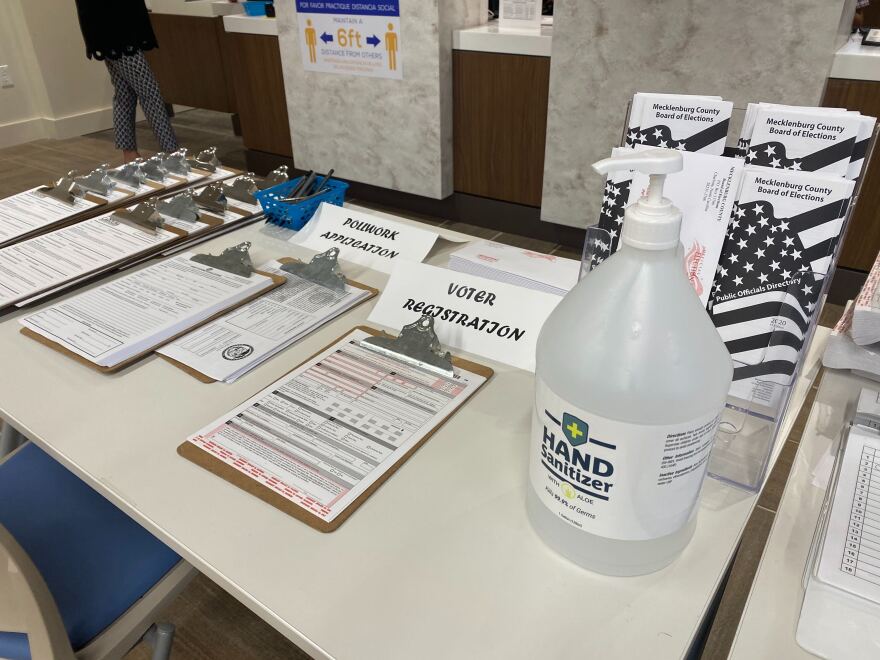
(631, 377)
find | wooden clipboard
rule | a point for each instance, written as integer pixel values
(277, 281)
(205, 378)
(213, 464)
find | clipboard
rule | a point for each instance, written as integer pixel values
(277, 280)
(204, 378)
(102, 205)
(214, 465)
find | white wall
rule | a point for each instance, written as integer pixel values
(58, 92)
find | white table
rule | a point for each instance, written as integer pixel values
(439, 563)
(489, 38)
(769, 620)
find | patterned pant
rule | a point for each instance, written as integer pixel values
(133, 81)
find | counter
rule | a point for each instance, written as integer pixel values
(489, 38)
(856, 62)
(202, 8)
(251, 25)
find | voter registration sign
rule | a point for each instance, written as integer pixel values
(357, 38)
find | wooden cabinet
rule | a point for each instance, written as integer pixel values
(189, 63)
(863, 236)
(254, 69)
(500, 125)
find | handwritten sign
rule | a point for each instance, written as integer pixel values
(365, 239)
(493, 319)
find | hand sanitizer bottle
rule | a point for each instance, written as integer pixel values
(630, 383)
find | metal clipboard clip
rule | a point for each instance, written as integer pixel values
(212, 198)
(416, 345)
(323, 269)
(276, 177)
(242, 189)
(206, 160)
(65, 189)
(180, 207)
(97, 181)
(143, 216)
(235, 260)
(176, 162)
(131, 174)
(154, 169)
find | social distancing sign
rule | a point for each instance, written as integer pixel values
(356, 38)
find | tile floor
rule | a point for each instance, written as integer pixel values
(210, 623)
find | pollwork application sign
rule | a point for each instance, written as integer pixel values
(351, 37)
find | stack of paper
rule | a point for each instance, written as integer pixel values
(827, 140)
(234, 344)
(705, 191)
(778, 250)
(841, 352)
(126, 318)
(841, 608)
(679, 121)
(866, 313)
(505, 263)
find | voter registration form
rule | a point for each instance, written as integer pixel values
(324, 433)
(232, 345)
(123, 318)
(46, 261)
(30, 210)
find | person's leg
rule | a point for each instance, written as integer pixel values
(124, 111)
(140, 76)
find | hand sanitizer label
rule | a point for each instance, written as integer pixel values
(613, 479)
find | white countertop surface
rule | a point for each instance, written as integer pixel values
(440, 562)
(767, 627)
(251, 24)
(492, 39)
(206, 8)
(856, 62)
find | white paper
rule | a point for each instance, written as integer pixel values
(29, 211)
(119, 319)
(679, 121)
(520, 14)
(323, 434)
(45, 262)
(365, 239)
(507, 263)
(232, 345)
(850, 555)
(484, 317)
(705, 191)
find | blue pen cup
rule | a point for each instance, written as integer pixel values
(294, 215)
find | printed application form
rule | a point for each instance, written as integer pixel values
(324, 433)
(44, 262)
(128, 316)
(850, 558)
(234, 344)
(31, 210)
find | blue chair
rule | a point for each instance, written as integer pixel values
(78, 578)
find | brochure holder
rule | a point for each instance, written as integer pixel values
(749, 428)
(323, 269)
(416, 345)
(235, 260)
(97, 181)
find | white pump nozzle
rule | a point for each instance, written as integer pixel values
(652, 223)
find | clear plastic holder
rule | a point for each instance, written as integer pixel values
(749, 427)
